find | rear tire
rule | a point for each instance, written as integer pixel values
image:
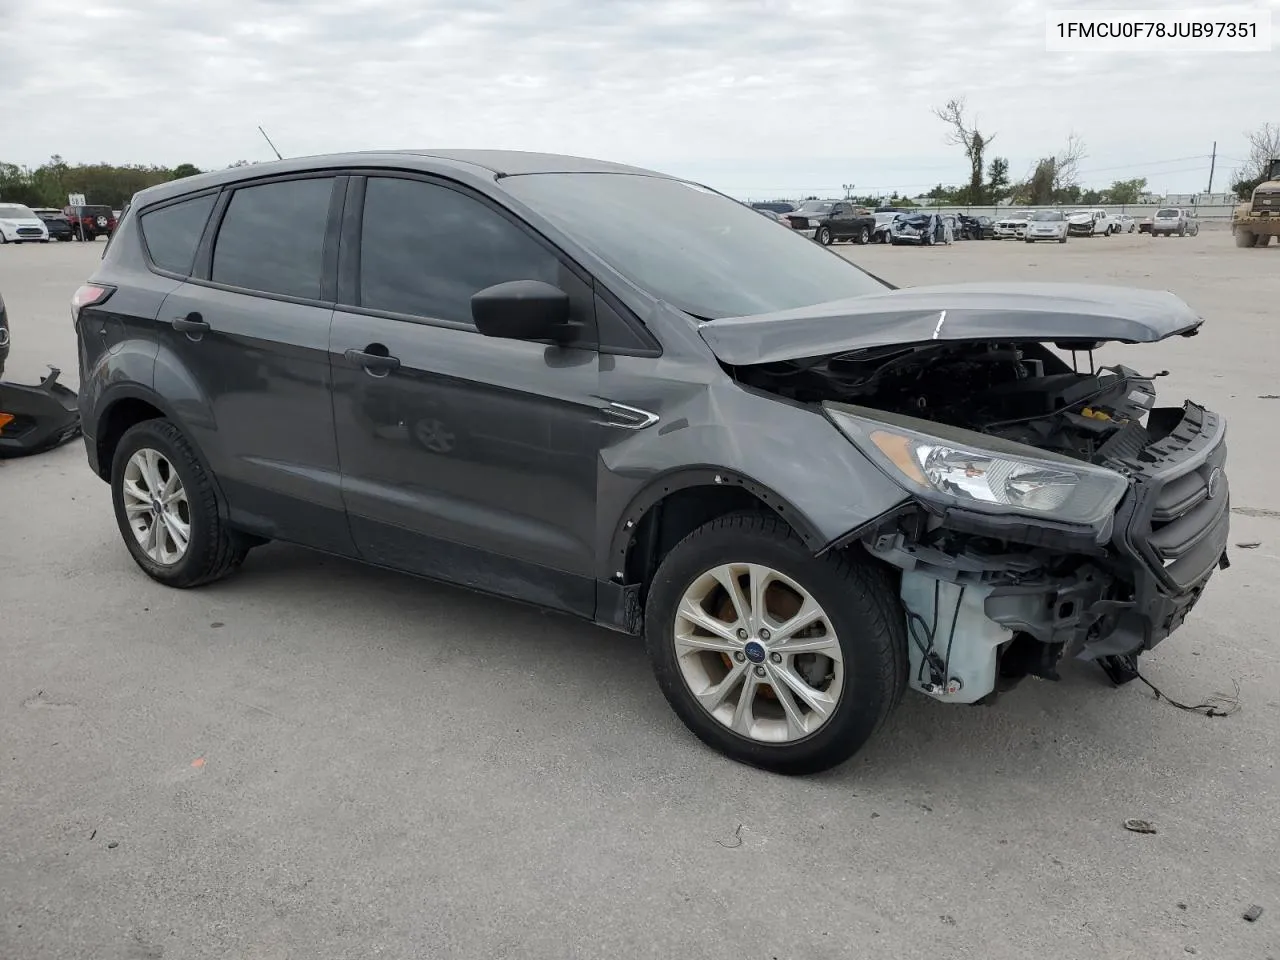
(864, 236)
(212, 550)
(859, 606)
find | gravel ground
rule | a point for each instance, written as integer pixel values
(315, 759)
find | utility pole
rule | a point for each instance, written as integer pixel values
(1212, 163)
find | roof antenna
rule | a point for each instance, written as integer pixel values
(269, 143)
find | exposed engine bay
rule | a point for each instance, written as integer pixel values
(998, 590)
(1022, 392)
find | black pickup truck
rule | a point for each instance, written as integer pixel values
(830, 220)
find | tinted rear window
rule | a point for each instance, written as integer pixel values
(272, 238)
(172, 233)
(1167, 214)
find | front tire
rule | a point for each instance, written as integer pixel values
(774, 657)
(823, 236)
(167, 510)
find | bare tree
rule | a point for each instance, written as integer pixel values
(1066, 163)
(969, 138)
(1264, 146)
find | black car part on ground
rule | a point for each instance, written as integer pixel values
(38, 418)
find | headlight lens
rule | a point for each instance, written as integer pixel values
(982, 473)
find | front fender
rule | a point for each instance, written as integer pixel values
(788, 455)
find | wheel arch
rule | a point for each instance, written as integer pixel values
(126, 405)
(674, 504)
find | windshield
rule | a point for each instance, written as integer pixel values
(816, 206)
(15, 211)
(698, 250)
(1047, 215)
(1168, 214)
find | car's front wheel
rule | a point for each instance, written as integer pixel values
(823, 236)
(167, 510)
(770, 655)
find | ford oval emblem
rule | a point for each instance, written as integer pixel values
(1215, 482)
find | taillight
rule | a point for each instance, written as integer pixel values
(89, 295)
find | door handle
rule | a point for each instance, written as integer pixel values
(191, 323)
(376, 364)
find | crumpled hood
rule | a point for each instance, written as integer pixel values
(1080, 218)
(963, 311)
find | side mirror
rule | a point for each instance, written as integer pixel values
(522, 310)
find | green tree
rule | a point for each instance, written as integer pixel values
(185, 170)
(997, 180)
(1126, 191)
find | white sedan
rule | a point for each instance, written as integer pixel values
(19, 224)
(1046, 225)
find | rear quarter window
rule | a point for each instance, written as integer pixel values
(172, 233)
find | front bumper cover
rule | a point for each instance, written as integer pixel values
(1126, 591)
(39, 417)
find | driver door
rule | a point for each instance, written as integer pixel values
(464, 458)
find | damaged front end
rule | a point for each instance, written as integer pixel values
(997, 591)
(1051, 512)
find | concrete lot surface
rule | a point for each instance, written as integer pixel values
(315, 759)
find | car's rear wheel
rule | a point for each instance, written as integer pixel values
(167, 509)
(770, 655)
(864, 236)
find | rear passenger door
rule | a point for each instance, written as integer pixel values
(245, 346)
(464, 457)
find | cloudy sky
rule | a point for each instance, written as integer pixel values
(759, 98)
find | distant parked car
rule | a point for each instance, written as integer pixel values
(1127, 223)
(1174, 220)
(91, 222)
(830, 220)
(1011, 227)
(974, 228)
(912, 229)
(55, 221)
(882, 232)
(1092, 222)
(1144, 225)
(19, 224)
(1046, 225)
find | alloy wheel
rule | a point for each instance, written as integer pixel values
(758, 653)
(155, 503)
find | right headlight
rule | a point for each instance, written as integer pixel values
(977, 472)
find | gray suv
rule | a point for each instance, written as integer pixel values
(632, 399)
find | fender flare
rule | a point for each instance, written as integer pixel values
(115, 393)
(684, 478)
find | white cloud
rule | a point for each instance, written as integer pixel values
(754, 96)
